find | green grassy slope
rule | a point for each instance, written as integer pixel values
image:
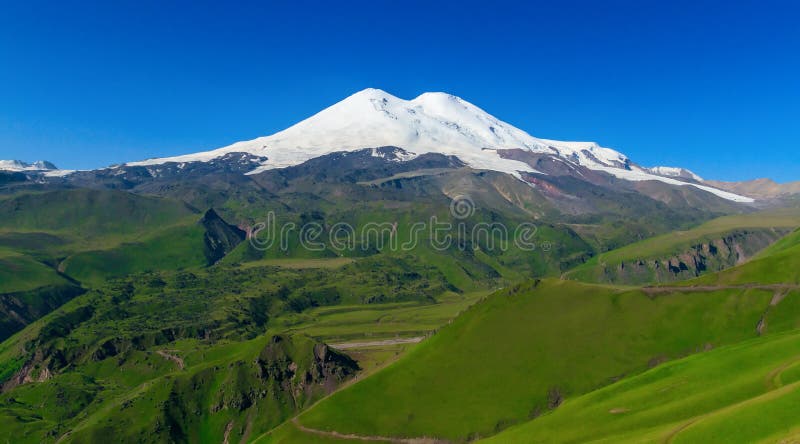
(19, 272)
(236, 389)
(369, 322)
(667, 243)
(175, 248)
(29, 289)
(88, 213)
(39, 229)
(289, 433)
(464, 262)
(100, 233)
(252, 388)
(50, 226)
(740, 393)
(112, 353)
(20, 308)
(786, 243)
(52, 243)
(525, 348)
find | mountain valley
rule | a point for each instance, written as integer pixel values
(394, 270)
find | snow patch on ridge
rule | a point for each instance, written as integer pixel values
(18, 165)
(400, 156)
(640, 175)
(675, 172)
(58, 173)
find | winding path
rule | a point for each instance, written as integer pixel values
(706, 288)
(350, 345)
(337, 435)
(174, 358)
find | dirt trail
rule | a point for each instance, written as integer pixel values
(350, 345)
(775, 389)
(116, 404)
(671, 435)
(706, 288)
(777, 297)
(174, 358)
(773, 379)
(248, 430)
(228, 429)
(338, 435)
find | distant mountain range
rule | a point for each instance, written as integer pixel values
(758, 188)
(437, 123)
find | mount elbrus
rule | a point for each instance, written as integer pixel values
(437, 123)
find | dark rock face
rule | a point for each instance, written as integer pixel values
(327, 368)
(43, 359)
(348, 167)
(134, 177)
(221, 237)
(357, 166)
(21, 308)
(330, 368)
(9, 177)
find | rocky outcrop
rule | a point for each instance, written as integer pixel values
(19, 309)
(321, 374)
(220, 237)
(36, 369)
(233, 398)
(706, 257)
(287, 375)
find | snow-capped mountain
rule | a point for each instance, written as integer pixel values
(681, 173)
(18, 165)
(431, 123)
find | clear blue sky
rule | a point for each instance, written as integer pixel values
(712, 86)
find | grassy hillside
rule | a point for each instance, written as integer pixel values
(464, 261)
(20, 308)
(237, 389)
(525, 348)
(191, 356)
(366, 322)
(178, 339)
(39, 229)
(659, 245)
(290, 433)
(710, 247)
(29, 289)
(49, 226)
(740, 393)
(175, 248)
(53, 243)
(19, 272)
(88, 213)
